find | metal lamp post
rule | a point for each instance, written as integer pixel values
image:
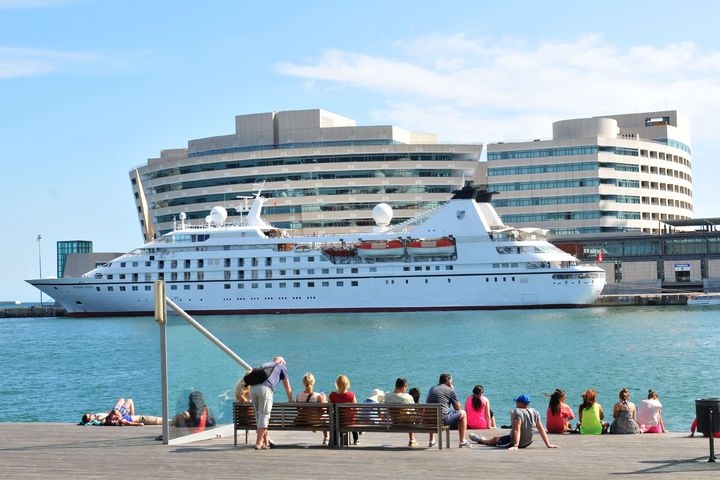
(39, 237)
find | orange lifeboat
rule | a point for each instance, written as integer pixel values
(381, 248)
(440, 246)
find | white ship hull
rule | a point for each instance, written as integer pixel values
(241, 270)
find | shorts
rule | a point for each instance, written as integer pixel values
(507, 442)
(451, 418)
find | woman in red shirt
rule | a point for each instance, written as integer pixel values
(342, 394)
(558, 413)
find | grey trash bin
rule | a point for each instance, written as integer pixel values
(703, 409)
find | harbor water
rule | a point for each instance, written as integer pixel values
(55, 369)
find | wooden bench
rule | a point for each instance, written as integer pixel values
(311, 417)
(381, 417)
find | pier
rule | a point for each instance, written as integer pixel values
(60, 451)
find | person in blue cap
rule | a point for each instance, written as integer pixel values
(523, 419)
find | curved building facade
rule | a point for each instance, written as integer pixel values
(320, 172)
(616, 173)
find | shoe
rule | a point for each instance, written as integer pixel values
(412, 443)
(476, 438)
(325, 441)
(432, 444)
(270, 444)
(464, 444)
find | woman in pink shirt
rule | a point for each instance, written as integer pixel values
(559, 413)
(477, 407)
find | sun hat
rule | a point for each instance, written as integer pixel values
(523, 399)
(377, 395)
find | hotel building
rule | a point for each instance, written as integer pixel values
(320, 171)
(613, 173)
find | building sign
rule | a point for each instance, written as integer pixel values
(682, 267)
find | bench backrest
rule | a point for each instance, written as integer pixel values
(285, 415)
(374, 415)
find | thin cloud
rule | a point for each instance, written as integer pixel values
(24, 62)
(465, 88)
(27, 4)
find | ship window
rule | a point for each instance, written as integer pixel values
(296, 272)
(121, 276)
(487, 279)
(122, 289)
(110, 276)
(448, 267)
(201, 286)
(122, 264)
(282, 259)
(227, 262)
(325, 284)
(283, 272)
(241, 274)
(311, 284)
(161, 276)
(134, 277)
(449, 280)
(201, 275)
(148, 288)
(226, 286)
(134, 264)
(311, 271)
(187, 263)
(253, 285)
(311, 259)
(268, 285)
(268, 273)
(148, 277)
(283, 285)
(227, 275)
(241, 286)
(418, 268)
(296, 259)
(373, 269)
(354, 283)
(241, 262)
(296, 284)
(147, 264)
(426, 280)
(407, 281)
(406, 269)
(161, 263)
(353, 270)
(325, 271)
(339, 270)
(186, 287)
(173, 263)
(339, 284)
(268, 261)
(200, 263)
(134, 288)
(496, 279)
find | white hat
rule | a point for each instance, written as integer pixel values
(377, 396)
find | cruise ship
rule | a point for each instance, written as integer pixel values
(459, 256)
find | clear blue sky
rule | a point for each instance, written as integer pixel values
(90, 89)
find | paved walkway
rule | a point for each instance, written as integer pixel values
(43, 450)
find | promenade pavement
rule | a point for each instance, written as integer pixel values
(65, 451)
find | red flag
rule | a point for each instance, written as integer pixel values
(600, 256)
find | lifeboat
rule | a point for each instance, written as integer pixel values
(381, 248)
(440, 246)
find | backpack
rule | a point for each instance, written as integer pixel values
(256, 376)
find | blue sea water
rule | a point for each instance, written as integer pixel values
(55, 369)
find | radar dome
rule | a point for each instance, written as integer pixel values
(218, 215)
(183, 216)
(382, 214)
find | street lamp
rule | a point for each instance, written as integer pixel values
(39, 237)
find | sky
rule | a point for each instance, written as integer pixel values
(90, 89)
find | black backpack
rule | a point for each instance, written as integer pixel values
(258, 375)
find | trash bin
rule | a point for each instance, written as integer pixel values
(703, 409)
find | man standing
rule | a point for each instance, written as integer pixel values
(262, 399)
(399, 396)
(444, 394)
(523, 419)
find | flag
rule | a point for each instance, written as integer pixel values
(600, 256)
